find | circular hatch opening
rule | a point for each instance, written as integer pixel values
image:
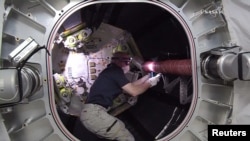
(83, 45)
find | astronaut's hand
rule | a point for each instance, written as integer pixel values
(154, 80)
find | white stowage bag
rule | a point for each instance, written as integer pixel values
(241, 103)
(237, 15)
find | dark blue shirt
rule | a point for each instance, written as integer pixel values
(107, 86)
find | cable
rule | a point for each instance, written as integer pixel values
(167, 125)
(21, 65)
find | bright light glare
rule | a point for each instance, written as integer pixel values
(76, 66)
(150, 66)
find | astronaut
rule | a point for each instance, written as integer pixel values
(109, 84)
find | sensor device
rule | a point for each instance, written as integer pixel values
(23, 51)
(153, 74)
(158, 75)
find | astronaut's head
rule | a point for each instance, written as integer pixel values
(122, 59)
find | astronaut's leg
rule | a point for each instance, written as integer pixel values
(96, 119)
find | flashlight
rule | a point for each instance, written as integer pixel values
(151, 74)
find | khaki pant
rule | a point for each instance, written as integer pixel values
(96, 119)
